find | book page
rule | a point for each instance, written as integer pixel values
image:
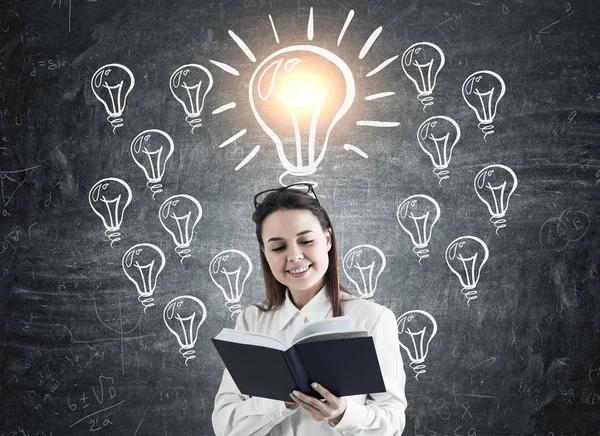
(336, 325)
(330, 336)
(250, 338)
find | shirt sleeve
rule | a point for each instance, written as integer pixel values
(236, 414)
(383, 413)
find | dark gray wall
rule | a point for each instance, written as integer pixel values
(78, 354)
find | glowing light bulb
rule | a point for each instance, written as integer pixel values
(301, 92)
(189, 85)
(437, 137)
(151, 150)
(363, 265)
(482, 91)
(494, 185)
(465, 257)
(416, 329)
(109, 198)
(179, 215)
(142, 264)
(229, 270)
(183, 316)
(422, 63)
(111, 84)
(417, 215)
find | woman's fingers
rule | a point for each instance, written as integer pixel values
(329, 408)
(329, 397)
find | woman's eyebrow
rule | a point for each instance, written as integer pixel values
(277, 238)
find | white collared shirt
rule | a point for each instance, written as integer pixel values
(378, 414)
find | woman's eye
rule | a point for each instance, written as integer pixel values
(279, 248)
(307, 242)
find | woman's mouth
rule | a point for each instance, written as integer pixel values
(299, 272)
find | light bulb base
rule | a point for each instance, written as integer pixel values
(146, 301)
(155, 188)
(188, 354)
(421, 252)
(486, 128)
(194, 122)
(498, 222)
(442, 174)
(113, 236)
(183, 251)
(234, 307)
(115, 121)
(418, 367)
(470, 294)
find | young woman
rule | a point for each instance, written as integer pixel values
(300, 268)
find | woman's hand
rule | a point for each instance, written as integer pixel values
(331, 408)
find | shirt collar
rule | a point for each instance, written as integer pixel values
(316, 309)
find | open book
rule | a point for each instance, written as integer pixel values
(331, 352)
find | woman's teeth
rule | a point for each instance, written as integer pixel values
(299, 270)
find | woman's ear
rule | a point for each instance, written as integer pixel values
(328, 239)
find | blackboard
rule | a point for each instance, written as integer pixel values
(83, 352)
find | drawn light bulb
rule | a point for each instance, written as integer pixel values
(416, 329)
(422, 63)
(466, 256)
(482, 91)
(151, 150)
(363, 265)
(109, 198)
(229, 270)
(179, 215)
(190, 85)
(301, 92)
(142, 264)
(417, 215)
(111, 84)
(494, 185)
(183, 316)
(437, 137)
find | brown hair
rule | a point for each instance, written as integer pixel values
(288, 199)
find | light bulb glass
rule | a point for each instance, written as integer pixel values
(297, 95)
(363, 265)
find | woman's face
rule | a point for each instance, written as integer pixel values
(296, 248)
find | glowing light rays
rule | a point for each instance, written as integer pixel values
(297, 95)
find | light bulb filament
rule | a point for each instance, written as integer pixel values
(469, 266)
(113, 211)
(154, 163)
(146, 274)
(184, 236)
(116, 105)
(421, 226)
(485, 98)
(425, 72)
(367, 284)
(443, 144)
(194, 97)
(187, 327)
(233, 285)
(498, 196)
(418, 347)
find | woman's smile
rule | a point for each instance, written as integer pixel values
(299, 271)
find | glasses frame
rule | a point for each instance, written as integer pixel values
(309, 186)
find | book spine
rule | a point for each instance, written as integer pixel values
(297, 369)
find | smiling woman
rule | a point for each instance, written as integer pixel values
(300, 267)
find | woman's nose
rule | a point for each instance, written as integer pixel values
(295, 254)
